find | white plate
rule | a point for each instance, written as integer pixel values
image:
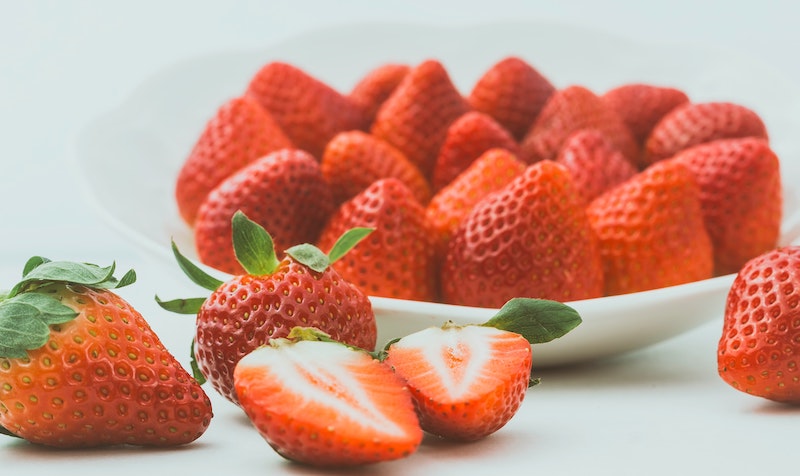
(130, 157)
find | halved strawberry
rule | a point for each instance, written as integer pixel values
(469, 381)
(321, 403)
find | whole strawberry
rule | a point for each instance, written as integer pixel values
(416, 116)
(240, 132)
(490, 172)
(269, 299)
(353, 160)
(284, 191)
(662, 240)
(467, 138)
(469, 381)
(760, 340)
(512, 92)
(397, 259)
(310, 111)
(376, 86)
(529, 239)
(642, 105)
(320, 403)
(696, 123)
(567, 111)
(594, 163)
(741, 197)
(80, 367)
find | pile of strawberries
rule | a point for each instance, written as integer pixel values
(517, 188)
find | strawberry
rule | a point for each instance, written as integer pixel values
(310, 111)
(490, 172)
(760, 340)
(642, 105)
(469, 381)
(661, 240)
(569, 110)
(376, 86)
(741, 198)
(417, 114)
(269, 299)
(284, 191)
(696, 123)
(320, 403)
(80, 367)
(240, 132)
(397, 260)
(353, 160)
(529, 239)
(513, 93)
(467, 138)
(594, 163)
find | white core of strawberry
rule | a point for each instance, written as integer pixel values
(459, 356)
(325, 373)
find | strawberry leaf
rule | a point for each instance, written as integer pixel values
(40, 270)
(182, 306)
(197, 275)
(347, 241)
(310, 256)
(538, 320)
(253, 246)
(32, 263)
(25, 322)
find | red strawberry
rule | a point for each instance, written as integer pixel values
(284, 191)
(760, 340)
(397, 260)
(696, 123)
(240, 132)
(529, 239)
(595, 165)
(490, 172)
(659, 242)
(273, 296)
(80, 367)
(353, 160)
(320, 403)
(377, 86)
(641, 106)
(467, 138)
(740, 193)
(513, 93)
(569, 110)
(469, 381)
(310, 111)
(416, 116)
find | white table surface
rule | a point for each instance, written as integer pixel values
(662, 410)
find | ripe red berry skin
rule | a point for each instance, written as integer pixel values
(759, 350)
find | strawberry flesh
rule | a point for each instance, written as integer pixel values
(467, 382)
(325, 404)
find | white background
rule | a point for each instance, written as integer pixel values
(660, 411)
